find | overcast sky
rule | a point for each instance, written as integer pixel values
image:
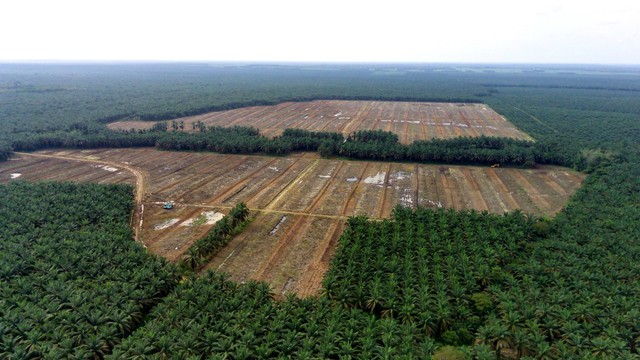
(538, 31)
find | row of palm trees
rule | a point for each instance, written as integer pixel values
(443, 151)
(219, 235)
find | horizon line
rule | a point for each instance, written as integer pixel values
(314, 62)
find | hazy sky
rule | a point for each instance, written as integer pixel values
(540, 31)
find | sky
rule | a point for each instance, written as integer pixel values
(480, 31)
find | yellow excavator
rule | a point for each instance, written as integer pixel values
(495, 165)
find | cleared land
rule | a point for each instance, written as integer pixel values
(410, 120)
(300, 203)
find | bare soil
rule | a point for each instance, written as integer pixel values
(411, 121)
(300, 203)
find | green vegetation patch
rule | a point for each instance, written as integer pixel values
(214, 317)
(72, 281)
(434, 269)
(5, 151)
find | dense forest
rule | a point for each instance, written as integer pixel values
(486, 287)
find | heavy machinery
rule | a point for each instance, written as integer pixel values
(168, 205)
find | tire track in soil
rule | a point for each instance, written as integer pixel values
(552, 184)
(533, 193)
(392, 117)
(65, 171)
(148, 162)
(423, 128)
(310, 281)
(342, 127)
(267, 186)
(216, 118)
(378, 120)
(431, 180)
(183, 165)
(383, 199)
(240, 183)
(245, 249)
(359, 118)
(282, 118)
(455, 188)
(440, 128)
(350, 205)
(307, 123)
(446, 188)
(517, 192)
(416, 184)
(276, 199)
(93, 177)
(502, 190)
(22, 167)
(324, 188)
(288, 120)
(243, 116)
(235, 161)
(464, 119)
(475, 194)
(374, 120)
(190, 177)
(315, 117)
(490, 193)
(278, 253)
(405, 127)
(231, 117)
